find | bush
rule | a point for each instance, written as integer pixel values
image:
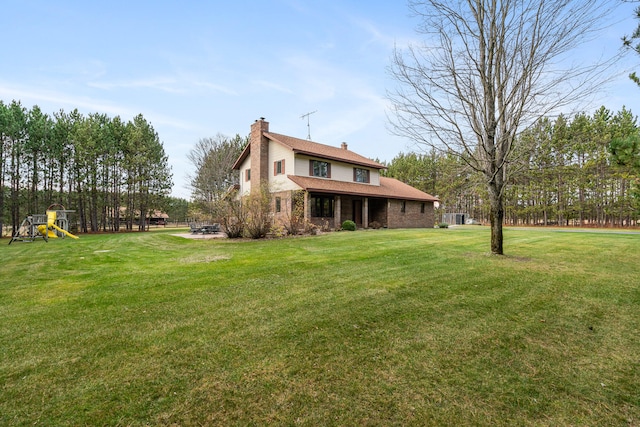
(277, 231)
(375, 225)
(349, 225)
(294, 221)
(257, 207)
(443, 225)
(232, 216)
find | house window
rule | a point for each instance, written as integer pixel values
(247, 175)
(422, 207)
(321, 206)
(278, 204)
(361, 175)
(278, 167)
(319, 168)
(403, 206)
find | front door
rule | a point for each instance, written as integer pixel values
(357, 212)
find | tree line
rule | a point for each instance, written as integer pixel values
(109, 171)
(565, 171)
(580, 170)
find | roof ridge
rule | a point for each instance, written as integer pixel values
(307, 141)
(322, 150)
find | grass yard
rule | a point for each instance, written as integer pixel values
(378, 328)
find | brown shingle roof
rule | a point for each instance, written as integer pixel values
(245, 153)
(303, 146)
(389, 188)
(314, 149)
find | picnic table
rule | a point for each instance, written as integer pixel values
(204, 229)
(210, 229)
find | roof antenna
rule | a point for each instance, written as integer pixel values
(308, 125)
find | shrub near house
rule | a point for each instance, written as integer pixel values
(349, 225)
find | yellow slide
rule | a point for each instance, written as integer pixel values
(51, 224)
(49, 233)
(73, 236)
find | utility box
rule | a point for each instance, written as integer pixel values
(453, 218)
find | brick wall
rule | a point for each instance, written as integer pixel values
(285, 214)
(259, 154)
(346, 208)
(412, 217)
(378, 211)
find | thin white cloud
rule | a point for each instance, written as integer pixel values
(389, 39)
(59, 100)
(164, 84)
(53, 101)
(374, 33)
(83, 69)
(215, 88)
(272, 86)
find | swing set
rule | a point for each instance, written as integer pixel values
(51, 225)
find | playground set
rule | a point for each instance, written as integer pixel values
(51, 225)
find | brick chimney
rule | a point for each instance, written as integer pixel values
(343, 145)
(259, 154)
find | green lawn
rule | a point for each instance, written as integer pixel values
(385, 327)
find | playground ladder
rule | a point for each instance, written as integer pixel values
(28, 230)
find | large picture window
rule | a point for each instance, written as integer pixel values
(321, 206)
(319, 168)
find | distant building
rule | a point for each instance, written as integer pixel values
(454, 218)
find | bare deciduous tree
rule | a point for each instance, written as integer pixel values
(486, 71)
(213, 159)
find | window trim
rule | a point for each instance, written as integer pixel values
(276, 164)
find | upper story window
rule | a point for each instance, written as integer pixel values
(319, 168)
(361, 175)
(247, 175)
(278, 167)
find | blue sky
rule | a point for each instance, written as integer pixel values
(198, 68)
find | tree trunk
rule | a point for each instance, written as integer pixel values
(1, 183)
(496, 217)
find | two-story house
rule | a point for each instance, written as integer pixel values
(337, 183)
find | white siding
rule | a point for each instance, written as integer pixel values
(245, 186)
(375, 177)
(340, 171)
(298, 165)
(280, 182)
